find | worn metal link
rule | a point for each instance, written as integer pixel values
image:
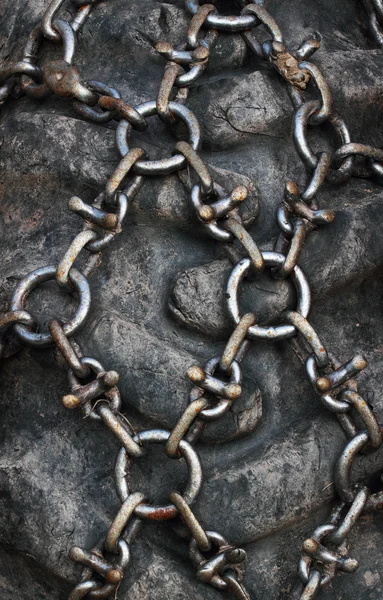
(339, 376)
(115, 106)
(123, 168)
(21, 67)
(31, 49)
(312, 586)
(179, 431)
(9, 319)
(300, 231)
(91, 113)
(122, 203)
(228, 391)
(212, 214)
(374, 11)
(47, 21)
(343, 473)
(328, 561)
(121, 520)
(163, 166)
(211, 570)
(248, 243)
(310, 336)
(67, 350)
(353, 514)
(279, 332)
(172, 70)
(193, 487)
(197, 531)
(296, 205)
(310, 160)
(109, 573)
(197, 22)
(333, 404)
(219, 383)
(65, 265)
(34, 279)
(234, 586)
(92, 214)
(366, 415)
(117, 425)
(223, 22)
(200, 168)
(236, 344)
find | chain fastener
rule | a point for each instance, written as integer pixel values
(211, 570)
(82, 395)
(64, 81)
(288, 66)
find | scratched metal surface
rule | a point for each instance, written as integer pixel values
(158, 302)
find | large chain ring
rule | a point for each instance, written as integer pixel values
(31, 281)
(280, 332)
(165, 165)
(193, 488)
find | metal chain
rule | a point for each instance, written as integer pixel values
(218, 384)
(374, 10)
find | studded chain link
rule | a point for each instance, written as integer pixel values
(217, 384)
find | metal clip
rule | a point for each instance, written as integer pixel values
(300, 209)
(202, 378)
(344, 373)
(97, 563)
(211, 570)
(286, 64)
(64, 81)
(82, 395)
(321, 553)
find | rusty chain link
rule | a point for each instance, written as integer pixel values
(218, 383)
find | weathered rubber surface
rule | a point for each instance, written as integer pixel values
(158, 302)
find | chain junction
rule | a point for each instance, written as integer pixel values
(217, 384)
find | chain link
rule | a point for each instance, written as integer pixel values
(219, 383)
